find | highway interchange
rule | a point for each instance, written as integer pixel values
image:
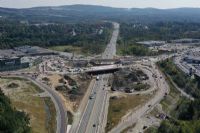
(92, 117)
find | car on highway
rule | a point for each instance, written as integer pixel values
(144, 127)
(91, 97)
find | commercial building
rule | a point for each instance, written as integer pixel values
(152, 43)
(12, 59)
(185, 40)
(33, 51)
(192, 59)
(26, 51)
(8, 64)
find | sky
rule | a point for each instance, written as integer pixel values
(163, 4)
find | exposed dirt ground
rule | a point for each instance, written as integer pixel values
(82, 82)
(129, 80)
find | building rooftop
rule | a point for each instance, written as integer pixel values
(186, 40)
(24, 51)
(152, 42)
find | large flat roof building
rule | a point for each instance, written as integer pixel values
(10, 59)
(186, 40)
(12, 63)
(25, 51)
(152, 43)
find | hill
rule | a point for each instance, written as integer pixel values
(88, 13)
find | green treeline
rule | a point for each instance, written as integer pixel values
(159, 31)
(11, 120)
(185, 118)
(190, 86)
(131, 48)
(131, 33)
(91, 37)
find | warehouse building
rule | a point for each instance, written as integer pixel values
(152, 43)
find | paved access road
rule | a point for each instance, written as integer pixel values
(61, 112)
(163, 88)
(90, 121)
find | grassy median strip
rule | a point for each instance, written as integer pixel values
(128, 128)
(120, 106)
(173, 74)
(171, 100)
(174, 96)
(50, 116)
(70, 117)
(183, 81)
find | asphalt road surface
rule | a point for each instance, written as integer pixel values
(90, 121)
(163, 88)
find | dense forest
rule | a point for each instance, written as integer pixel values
(130, 33)
(11, 120)
(91, 37)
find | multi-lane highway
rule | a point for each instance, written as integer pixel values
(95, 123)
(90, 121)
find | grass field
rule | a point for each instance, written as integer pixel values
(51, 115)
(119, 107)
(41, 111)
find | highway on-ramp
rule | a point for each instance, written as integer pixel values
(162, 90)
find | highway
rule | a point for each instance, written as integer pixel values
(90, 121)
(162, 89)
(61, 112)
(60, 109)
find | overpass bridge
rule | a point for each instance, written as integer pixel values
(102, 62)
(90, 70)
(103, 69)
(97, 61)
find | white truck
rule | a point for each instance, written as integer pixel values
(97, 78)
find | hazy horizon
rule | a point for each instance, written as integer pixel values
(161, 4)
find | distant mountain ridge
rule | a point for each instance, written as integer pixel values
(74, 13)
